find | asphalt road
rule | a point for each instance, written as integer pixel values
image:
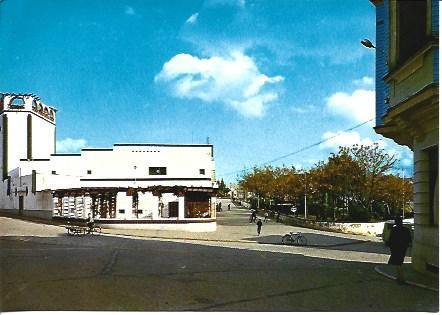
(44, 269)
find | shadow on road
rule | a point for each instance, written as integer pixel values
(329, 242)
(113, 273)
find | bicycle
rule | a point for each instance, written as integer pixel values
(292, 238)
(94, 229)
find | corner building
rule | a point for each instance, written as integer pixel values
(407, 107)
(145, 186)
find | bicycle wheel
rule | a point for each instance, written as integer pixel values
(301, 240)
(287, 239)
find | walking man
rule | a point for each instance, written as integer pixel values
(259, 224)
(266, 216)
(399, 241)
(90, 222)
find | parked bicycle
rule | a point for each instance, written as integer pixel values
(294, 238)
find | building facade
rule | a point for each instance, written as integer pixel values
(153, 186)
(407, 107)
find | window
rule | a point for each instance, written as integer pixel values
(202, 171)
(89, 172)
(197, 205)
(54, 173)
(121, 211)
(140, 211)
(412, 23)
(157, 171)
(17, 102)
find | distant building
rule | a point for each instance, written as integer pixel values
(407, 107)
(158, 186)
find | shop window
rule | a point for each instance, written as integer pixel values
(412, 23)
(197, 205)
(202, 171)
(157, 171)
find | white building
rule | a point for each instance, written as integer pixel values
(156, 186)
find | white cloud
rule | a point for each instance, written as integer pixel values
(358, 107)
(346, 139)
(193, 18)
(234, 80)
(129, 10)
(70, 145)
(302, 109)
(364, 81)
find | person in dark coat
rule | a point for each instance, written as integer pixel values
(399, 241)
(259, 224)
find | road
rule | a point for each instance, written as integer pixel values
(44, 269)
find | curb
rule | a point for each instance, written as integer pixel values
(181, 238)
(423, 286)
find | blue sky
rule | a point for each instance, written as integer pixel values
(261, 79)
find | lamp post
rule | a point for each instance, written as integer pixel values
(135, 179)
(367, 43)
(403, 194)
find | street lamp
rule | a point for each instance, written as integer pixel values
(367, 43)
(135, 179)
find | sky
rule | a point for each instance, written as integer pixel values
(285, 81)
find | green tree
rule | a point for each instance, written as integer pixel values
(223, 190)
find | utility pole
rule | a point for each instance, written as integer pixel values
(305, 195)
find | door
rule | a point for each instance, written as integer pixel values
(173, 209)
(21, 204)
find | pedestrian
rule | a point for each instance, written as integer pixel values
(220, 208)
(266, 216)
(90, 222)
(399, 241)
(277, 217)
(228, 207)
(259, 224)
(254, 215)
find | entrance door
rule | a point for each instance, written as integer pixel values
(21, 204)
(173, 209)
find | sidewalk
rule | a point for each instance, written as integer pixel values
(412, 277)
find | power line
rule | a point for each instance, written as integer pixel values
(300, 150)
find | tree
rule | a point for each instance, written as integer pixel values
(223, 190)
(393, 193)
(352, 184)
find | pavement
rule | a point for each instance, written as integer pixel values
(234, 229)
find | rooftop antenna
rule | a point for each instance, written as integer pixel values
(208, 140)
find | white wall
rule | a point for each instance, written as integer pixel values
(43, 138)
